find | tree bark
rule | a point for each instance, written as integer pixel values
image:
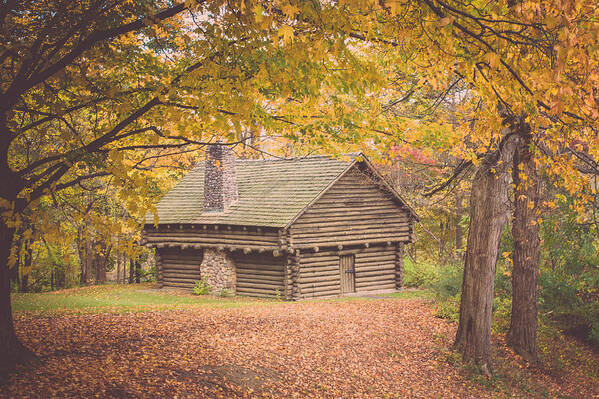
(459, 231)
(26, 266)
(488, 214)
(522, 336)
(137, 272)
(131, 271)
(102, 259)
(118, 267)
(86, 258)
(12, 351)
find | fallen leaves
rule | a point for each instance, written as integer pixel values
(351, 349)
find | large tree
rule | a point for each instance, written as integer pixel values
(532, 66)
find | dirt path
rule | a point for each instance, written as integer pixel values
(353, 349)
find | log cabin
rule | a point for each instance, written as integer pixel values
(293, 228)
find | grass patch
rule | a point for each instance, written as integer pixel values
(120, 298)
(411, 294)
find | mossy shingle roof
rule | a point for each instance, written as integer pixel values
(271, 192)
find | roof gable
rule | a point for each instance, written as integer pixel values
(364, 163)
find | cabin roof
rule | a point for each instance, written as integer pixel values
(272, 192)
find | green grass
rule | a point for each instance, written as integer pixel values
(411, 294)
(120, 298)
(117, 298)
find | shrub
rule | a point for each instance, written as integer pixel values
(448, 282)
(201, 287)
(146, 276)
(421, 275)
(449, 309)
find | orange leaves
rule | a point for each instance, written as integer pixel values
(364, 348)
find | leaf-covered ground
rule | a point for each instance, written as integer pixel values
(377, 348)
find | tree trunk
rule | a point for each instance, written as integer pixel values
(488, 214)
(26, 266)
(86, 258)
(12, 351)
(522, 336)
(101, 261)
(131, 271)
(118, 267)
(137, 272)
(459, 231)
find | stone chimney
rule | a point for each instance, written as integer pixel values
(220, 182)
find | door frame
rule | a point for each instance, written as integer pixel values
(344, 271)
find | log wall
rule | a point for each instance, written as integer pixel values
(178, 268)
(213, 236)
(353, 211)
(260, 274)
(375, 269)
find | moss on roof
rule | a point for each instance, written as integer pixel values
(271, 192)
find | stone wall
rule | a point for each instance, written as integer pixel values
(220, 181)
(219, 270)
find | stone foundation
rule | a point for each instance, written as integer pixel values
(219, 270)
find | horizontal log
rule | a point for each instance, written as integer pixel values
(184, 271)
(176, 253)
(332, 221)
(347, 223)
(177, 277)
(359, 232)
(375, 261)
(184, 261)
(181, 266)
(354, 193)
(340, 207)
(319, 293)
(369, 264)
(253, 272)
(363, 284)
(380, 275)
(361, 270)
(372, 240)
(379, 287)
(261, 285)
(347, 211)
(272, 268)
(167, 240)
(321, 280)
(217, 236)
(381, 254)
(308, 271)
(170, 274)
(320, 265)
(320, 272)
(381, 278)
(313, 261)
(213, 233)
(259, 278)
(256, 292)
(309, 287)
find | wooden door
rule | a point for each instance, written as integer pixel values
(346, 267)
